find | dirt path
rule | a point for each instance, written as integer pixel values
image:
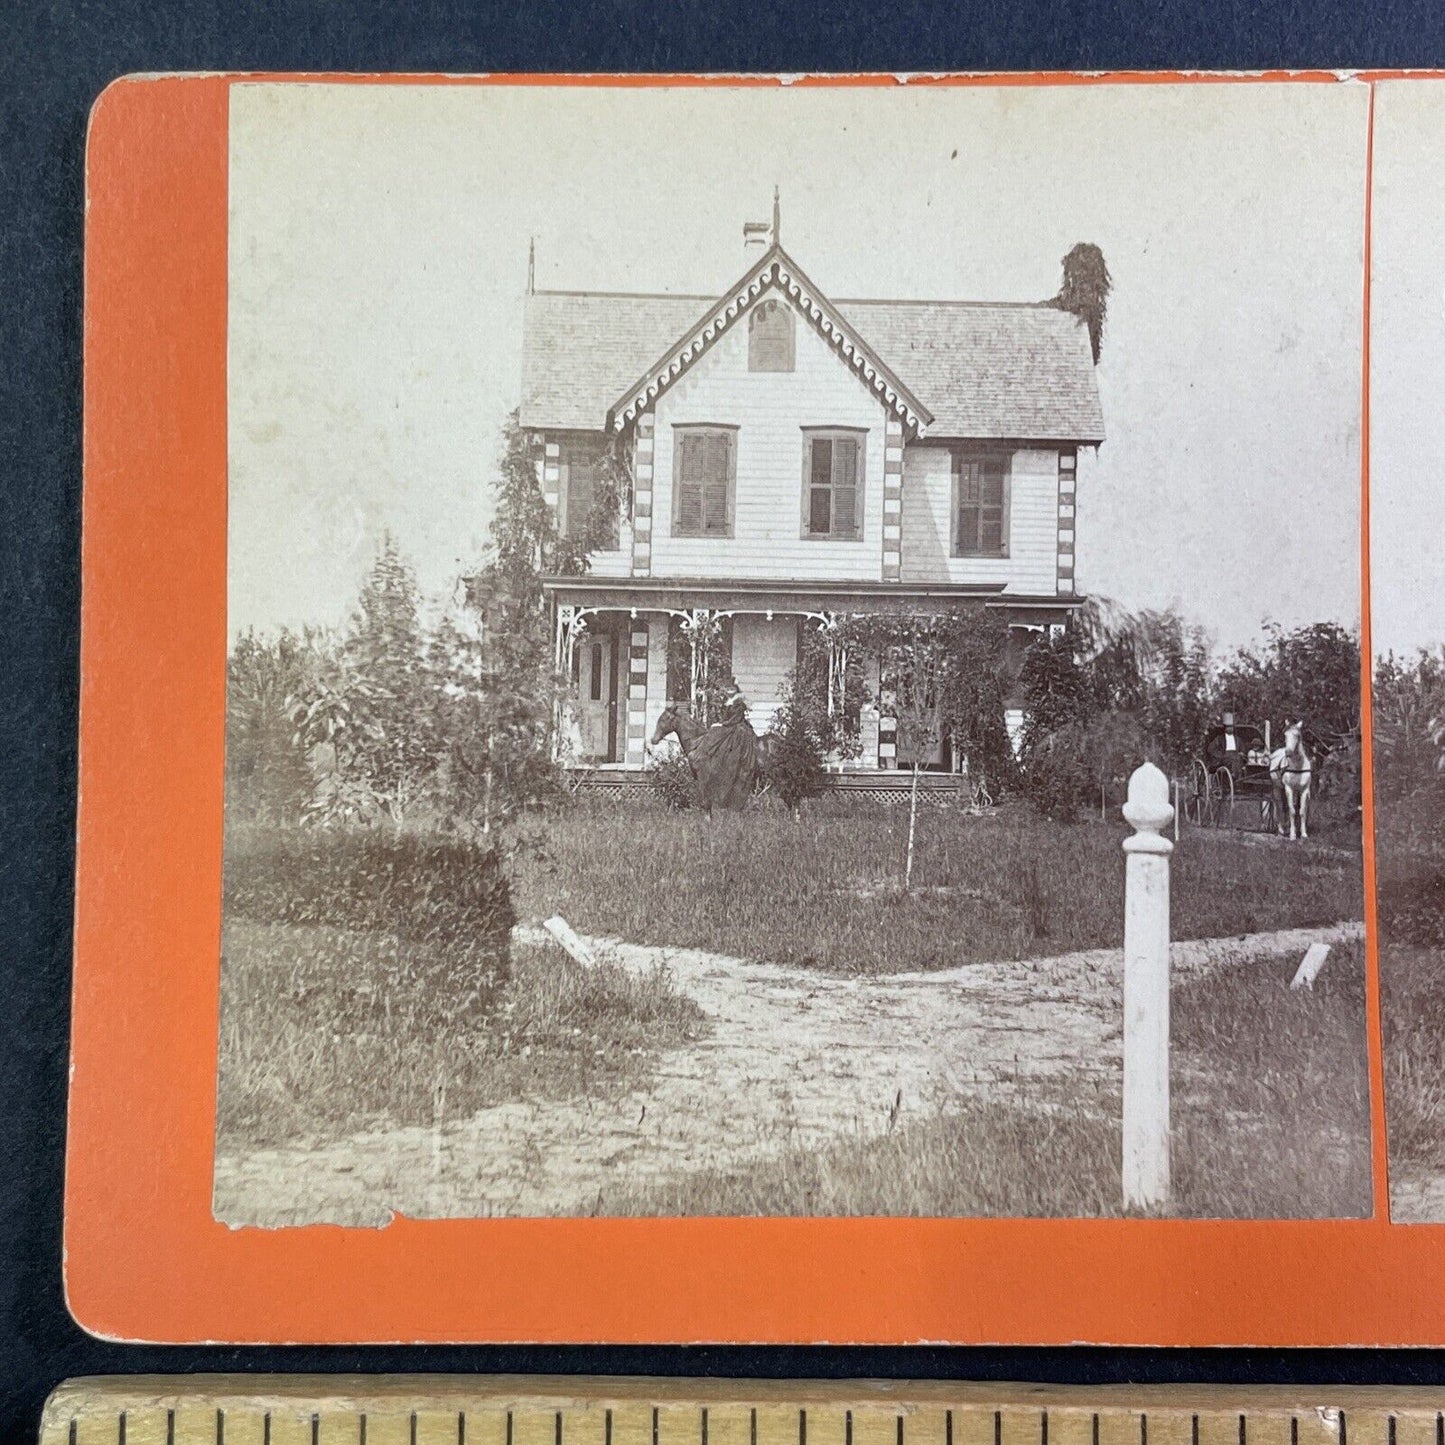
(793, 1058)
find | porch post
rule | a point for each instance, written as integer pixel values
(636, 695)
(642, 480)
(893, 500)
(887, 716)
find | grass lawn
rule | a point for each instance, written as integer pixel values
(1271, 1120)
(1271, 1104)
(287, 1073)
(1412, 984)
(824, 891)
(1411, 863)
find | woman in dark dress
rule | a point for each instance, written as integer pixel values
(725, 758)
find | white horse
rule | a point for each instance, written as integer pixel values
(1291, 770)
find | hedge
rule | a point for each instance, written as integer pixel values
(446, 904)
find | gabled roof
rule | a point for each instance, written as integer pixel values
(776, 270)
(982, 370)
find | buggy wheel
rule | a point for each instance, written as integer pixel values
(1198, 806)
(1222, 791)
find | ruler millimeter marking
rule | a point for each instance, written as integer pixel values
(557, 1410)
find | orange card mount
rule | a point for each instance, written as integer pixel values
(162, 1244)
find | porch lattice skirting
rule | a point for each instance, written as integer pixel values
(637, 694)
(934, 789)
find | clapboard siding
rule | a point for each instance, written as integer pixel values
(770, 410)
(1033, 522)
(615, 563)
(764, 652)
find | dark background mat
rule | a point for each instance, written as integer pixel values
(54, 60)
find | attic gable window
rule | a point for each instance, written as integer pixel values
(981, 503)
(833, 484)
(770, 336)
(704, 464)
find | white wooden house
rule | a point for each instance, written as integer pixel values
(797, 457)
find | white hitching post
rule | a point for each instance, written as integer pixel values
(1146, 990)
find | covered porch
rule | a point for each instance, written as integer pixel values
(633, 647)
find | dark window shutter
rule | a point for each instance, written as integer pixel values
(968, 506)
(691, 462)
(991, 510)
(820, 483)
(716, 451)
(982, 506)
(582, 463)
(845, 487)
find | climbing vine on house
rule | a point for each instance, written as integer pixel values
(611, 501)
(700, 664)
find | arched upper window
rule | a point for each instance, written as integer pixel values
(770, 337)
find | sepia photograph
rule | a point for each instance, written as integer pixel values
(797, 651)
(1407, 623)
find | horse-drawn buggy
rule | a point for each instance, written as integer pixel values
(1232, 766)
(1240, 780)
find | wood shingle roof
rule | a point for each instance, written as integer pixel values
(983, 369)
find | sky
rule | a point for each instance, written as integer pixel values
(378, 263)
(1407, 369)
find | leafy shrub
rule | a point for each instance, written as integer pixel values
(795, 750)
(1412, 905)
(440, 908)
(1057, 781)
(672, 780)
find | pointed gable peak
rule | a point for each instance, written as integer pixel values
(774, 271)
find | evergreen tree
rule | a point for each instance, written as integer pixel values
(390, 739)
(267, 777)
(520, 691)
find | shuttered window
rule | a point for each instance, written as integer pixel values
(770, 337)
(833, 484)
(702, 483)
(580, 475)
(981, 504)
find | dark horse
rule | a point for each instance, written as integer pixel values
(726, 759)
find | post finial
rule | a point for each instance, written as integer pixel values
(531, 264)
(1148, 811)
(777, 218)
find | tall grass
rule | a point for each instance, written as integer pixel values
(1411, 899)
(1413, 1006)
(826, 891)
(1271, 1120)
(289, 1070)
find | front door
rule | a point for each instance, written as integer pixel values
(596, 696)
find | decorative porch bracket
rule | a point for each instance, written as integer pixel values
(831, 625)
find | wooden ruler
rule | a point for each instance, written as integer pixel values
(562, 1410)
